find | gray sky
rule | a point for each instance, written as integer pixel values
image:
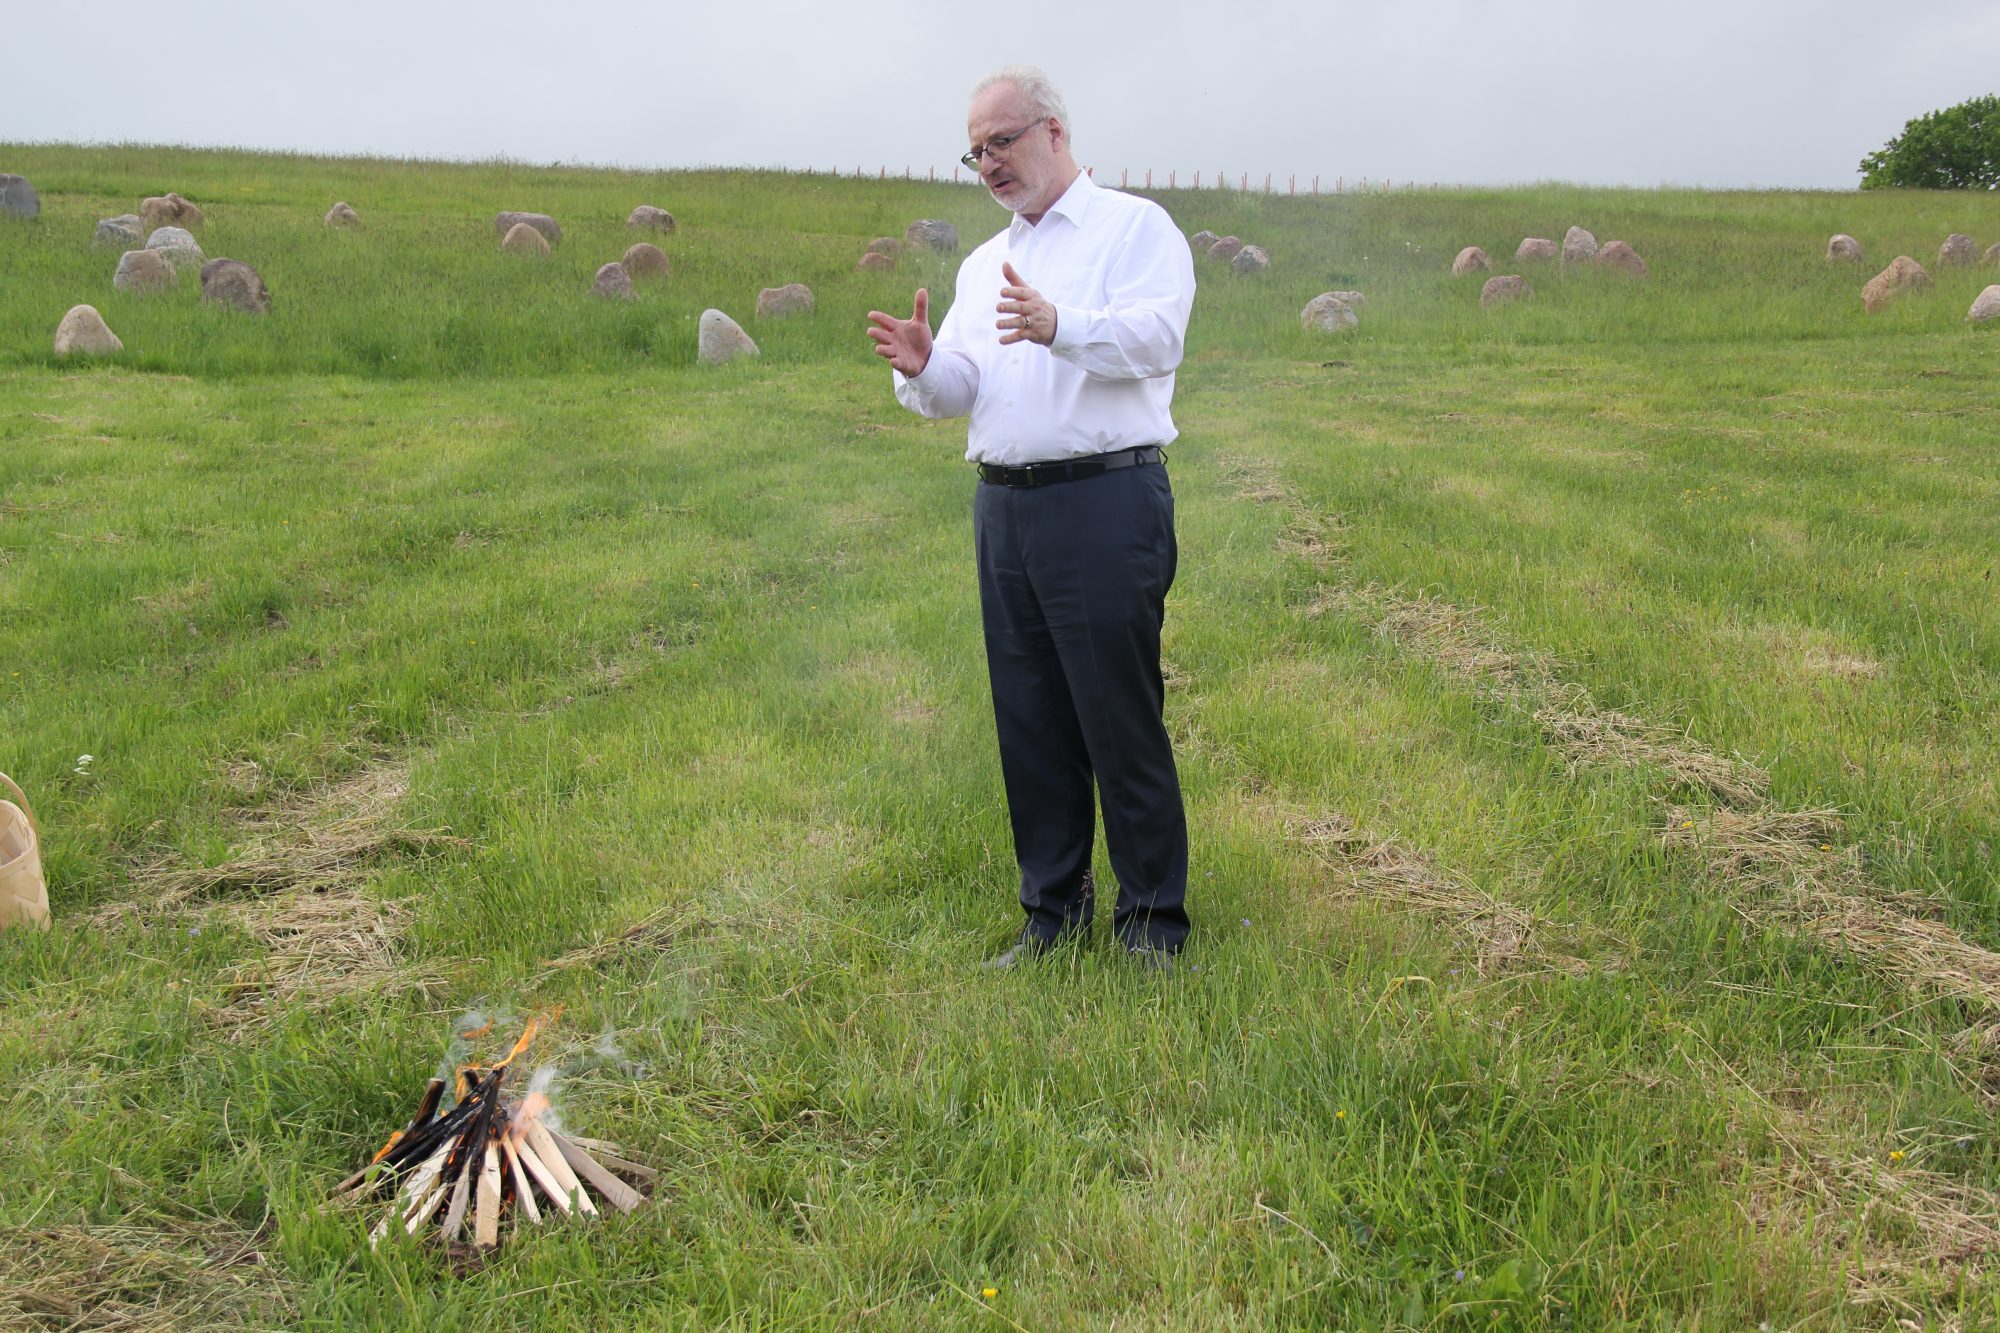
(1703, 92)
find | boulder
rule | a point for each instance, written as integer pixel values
(1503, 289)
(885, 245)
(1958, 250)
(169, 210)
(1327, 313)
(1903, 274)
(1986, 307)
(1201, 240)
(1225, 249)
(84, 333)
(1618, 255)
(233, 283)
(648, 218)
(612, 283)
(523, 239)
(541, 222)
(143, 272)
(644, 260)
(1843, 249)
(794, 298)
(930, 234)
(1250, 259)
(341, 215)
(177, 246)
(124, 231)
(19, 199)
(721, 339)
(1355, 299)
(1536, 247)
(1471, 259)
(1578, 245)
(876, 262)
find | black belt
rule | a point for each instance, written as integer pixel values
(1069, 469)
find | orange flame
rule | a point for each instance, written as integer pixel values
(524, 1115)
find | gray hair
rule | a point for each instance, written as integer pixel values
(1034, 85)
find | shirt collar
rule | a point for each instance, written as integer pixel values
(1074, 204)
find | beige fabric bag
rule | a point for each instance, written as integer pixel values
(24, 892)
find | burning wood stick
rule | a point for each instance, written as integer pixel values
(524, 1194)
(615, 1191)
(546, 1149)
(486, 1217)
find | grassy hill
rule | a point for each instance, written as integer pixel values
(1586, 710)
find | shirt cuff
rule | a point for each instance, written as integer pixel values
(1071, 326)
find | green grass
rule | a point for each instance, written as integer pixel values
(699, 649)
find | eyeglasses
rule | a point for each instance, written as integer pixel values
(997, 148)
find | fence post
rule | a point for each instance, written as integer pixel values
(1197, 180)
(1244, 184)
(1315, 187)
(1170, 179)
(1149, 178)
(1123, 172)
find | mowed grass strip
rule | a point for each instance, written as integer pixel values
(449, 640)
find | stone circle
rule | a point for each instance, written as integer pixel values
(1503, 289)
(794, 298)
(178, 246)
(1619, 255)
(1471, 259)
(648, 218)
(1986, 306)
(1536, 247)
(142, 272)
(1958, 249)
(124, 231)
(1578, 245)
(644, 260)
(1201, 240)
(20, 199)
(169, 210)
(612, 283)
(1842, 248)
(1903, 274)
(541, 222)
(721, 339)
(341, 215)
(1225, 249)
(1250, 259)
(523, 239)
(83, 332)
(931, 234)
(1327, 313)
(233, 283)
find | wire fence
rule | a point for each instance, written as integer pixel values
(1242, 182)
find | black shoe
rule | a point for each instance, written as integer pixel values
(1026, 949)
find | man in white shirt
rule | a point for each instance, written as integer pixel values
(1068, 383)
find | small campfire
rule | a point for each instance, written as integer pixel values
(488, 1158)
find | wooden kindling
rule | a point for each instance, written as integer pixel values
(486, 1159)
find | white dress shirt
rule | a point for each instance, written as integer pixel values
(1121, 278)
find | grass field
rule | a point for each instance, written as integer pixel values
(1587, 711)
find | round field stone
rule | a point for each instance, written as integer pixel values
(644, 260)
(83, 332)
(20, 199)
(143, 272)
(1327, 313)
(794, 298)
(721, 339)
(1507, 288)
(1471, 259)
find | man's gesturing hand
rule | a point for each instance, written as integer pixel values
(904, 343)
(1026, 315)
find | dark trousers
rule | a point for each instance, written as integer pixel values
(1073, 581)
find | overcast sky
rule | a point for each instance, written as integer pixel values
(1703, 92)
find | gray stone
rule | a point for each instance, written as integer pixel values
(177, 245)
(1903, 274)
(523, 239)
(648, 218)
(876, 262)
(341, 215)
(1471, 259)
(233, 283)
(721, 339)
(644, 260)
(84, 333)
(1619, 255)
(541, 222)
(1225, 249)
(1958, 250)
(1250, 259)
(142, 272)
(1536, 247)
(1328, 313)
(1201, 240)
(124, 231)
(794, 298)
(930, 234)
(1843, 249)
(19, 199)
(1986, 306)
(1504, 289)
(1578, 245)
(612, 283)
(169, 210)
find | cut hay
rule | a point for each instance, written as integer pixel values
(320, 947)
(177, 1277)
(1584, 734)
(1803, 874)
(655, 933)
(1452, 638)
(1386, 871)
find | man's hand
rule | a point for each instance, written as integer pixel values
(1026, 315)
(904, 343)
